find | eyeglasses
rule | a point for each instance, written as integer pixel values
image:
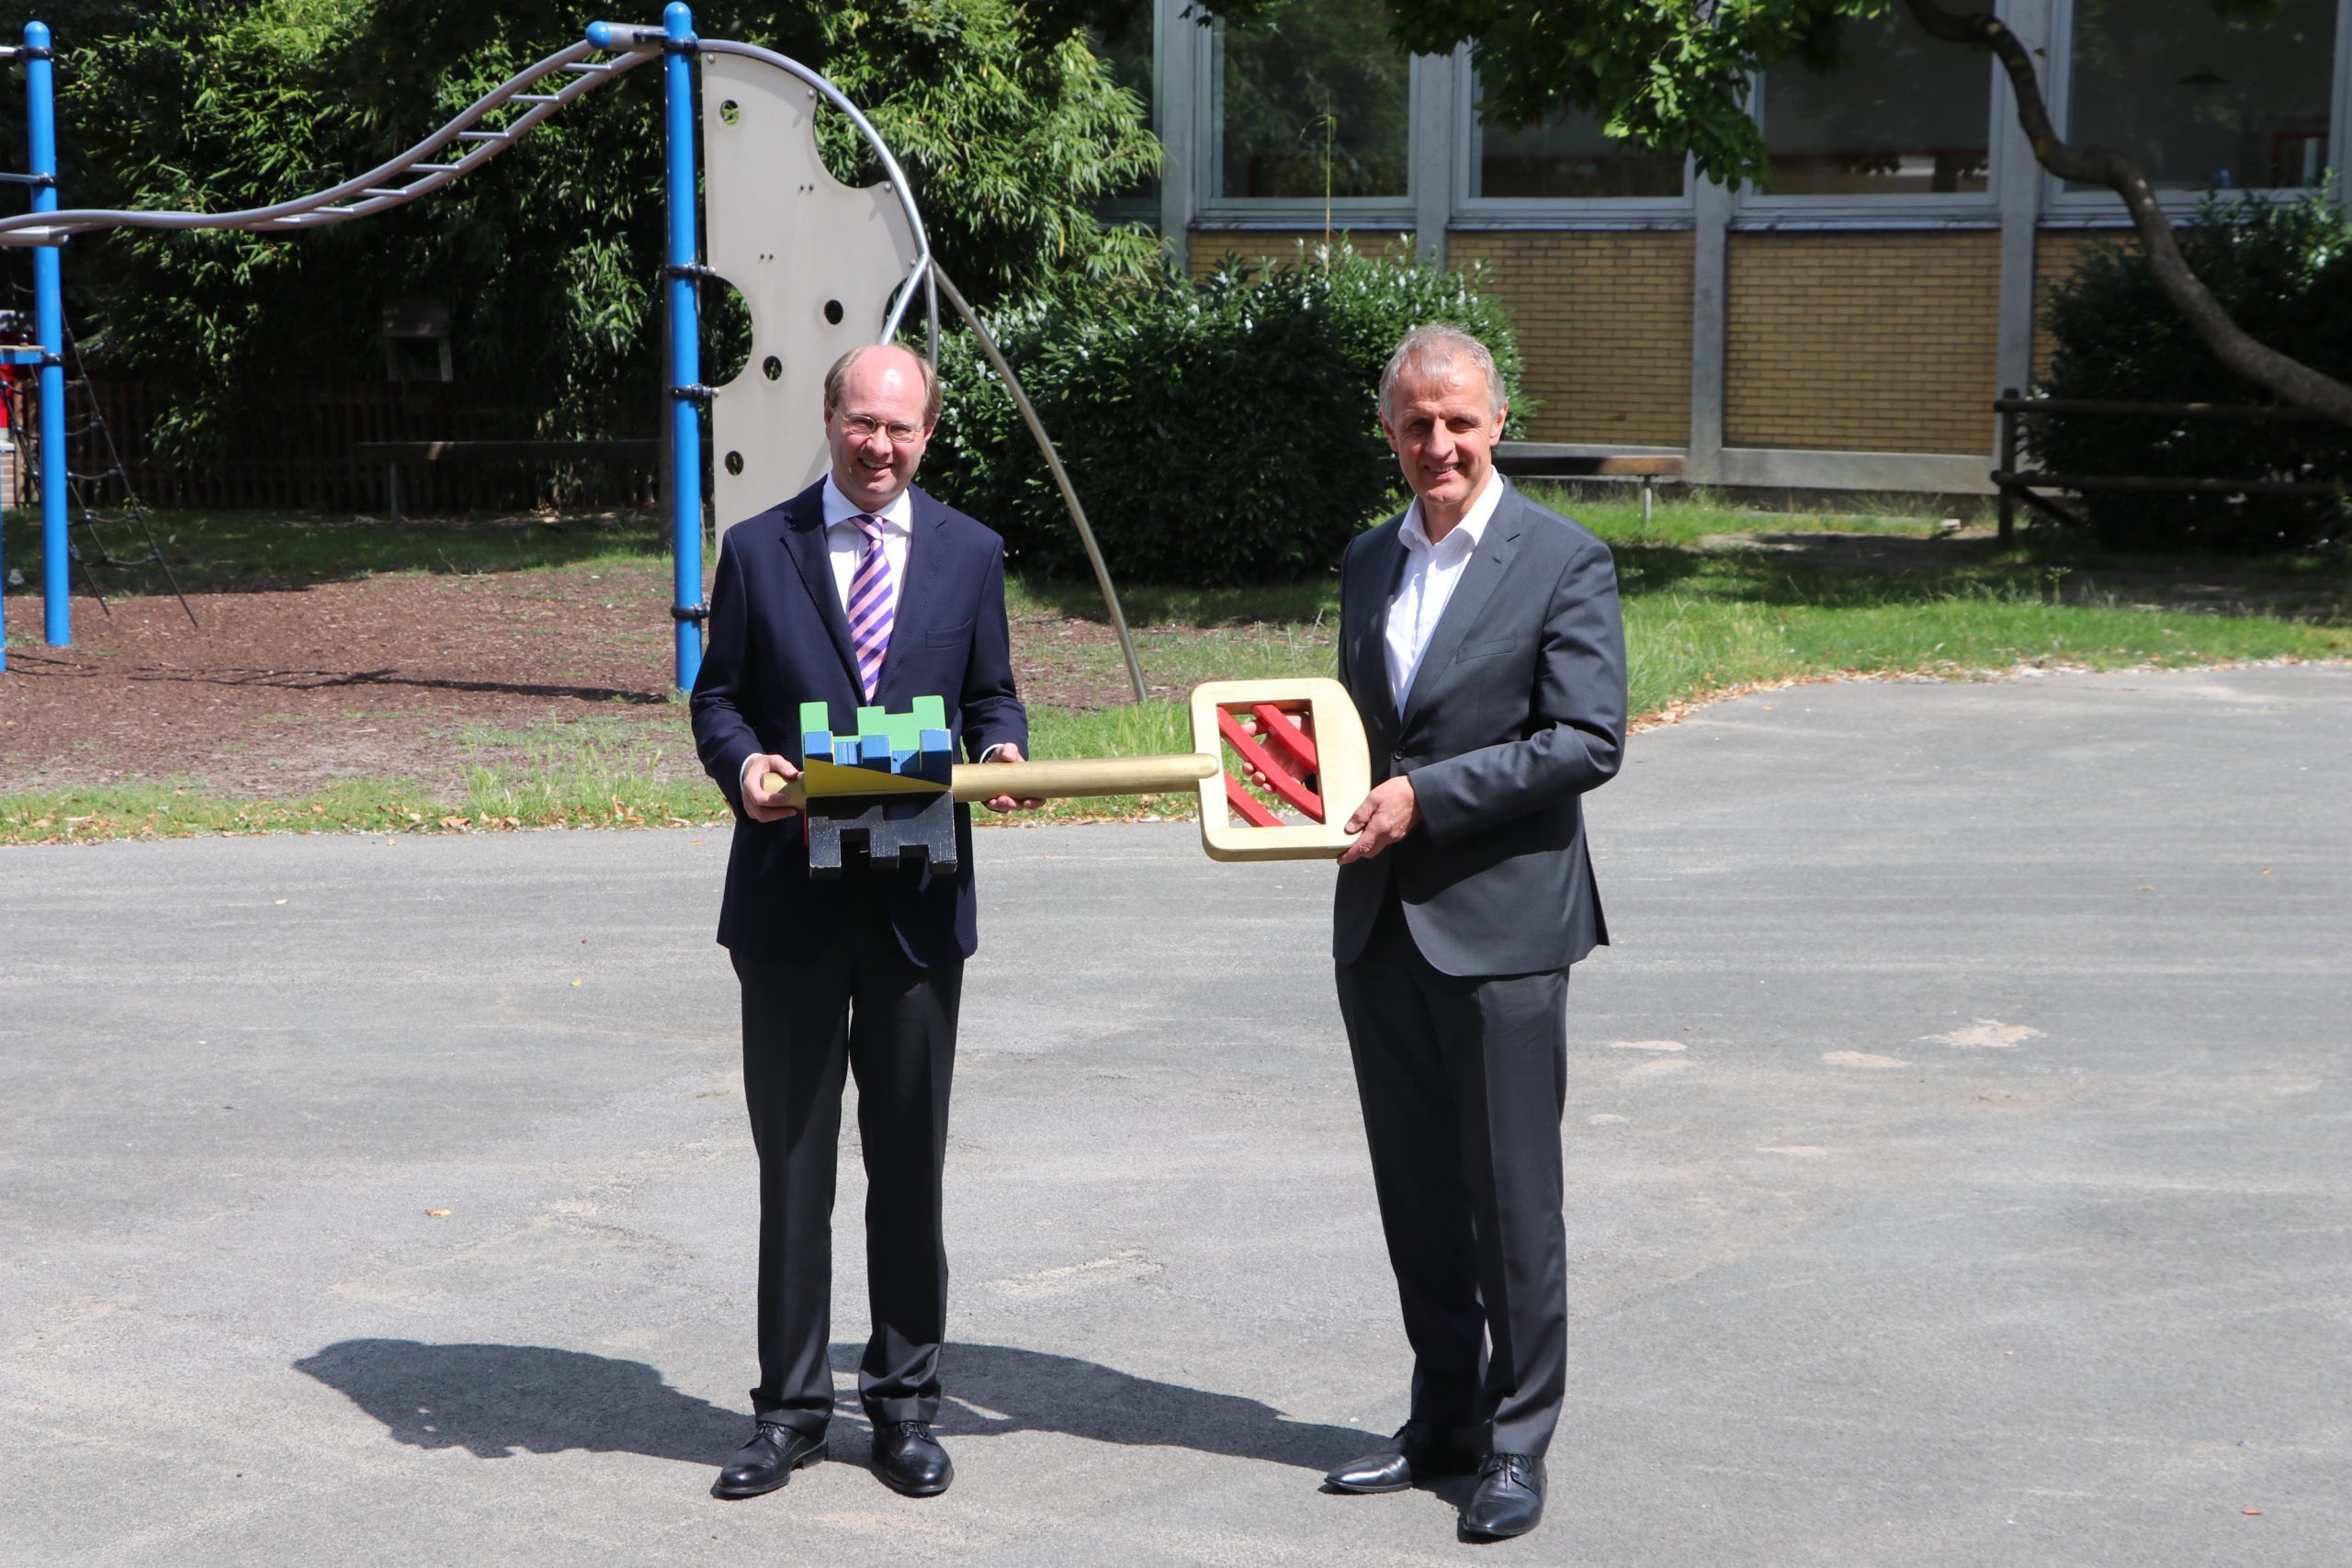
(865, 427)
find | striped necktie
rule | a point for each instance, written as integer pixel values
(871, 602)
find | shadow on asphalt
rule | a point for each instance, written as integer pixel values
(995, 1388)
(496, 1400)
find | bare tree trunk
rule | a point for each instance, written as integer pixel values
(2264, 366)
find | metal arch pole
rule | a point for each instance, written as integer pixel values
(931, 314)
(48, 325)
(1062, 479)
(685, 340)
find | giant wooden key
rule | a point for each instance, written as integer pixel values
(892, 786)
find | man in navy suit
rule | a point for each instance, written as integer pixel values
(861, 590)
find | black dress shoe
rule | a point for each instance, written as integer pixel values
(910, 1459)
(768, 1461)
(1508, 1499)
(1414, 1453)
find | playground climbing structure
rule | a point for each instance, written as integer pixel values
(822, 267)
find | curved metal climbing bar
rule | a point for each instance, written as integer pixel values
(418, 171)
(1004, 370)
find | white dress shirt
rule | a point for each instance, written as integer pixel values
(1431, 572)
(845, 544)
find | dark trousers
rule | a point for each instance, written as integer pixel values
(1462, 1083)
(858, 1003)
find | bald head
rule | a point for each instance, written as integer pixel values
(877, 357)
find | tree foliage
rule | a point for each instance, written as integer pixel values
(1219, 431)
(1672, 77)
(549, 259)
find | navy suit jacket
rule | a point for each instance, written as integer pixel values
(778, 639)
(1518, 709)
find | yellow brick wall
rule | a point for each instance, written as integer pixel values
(1868, 343)
(1603, 322)
(2056, 255)
(1205, 248)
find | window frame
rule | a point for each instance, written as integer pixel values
(2100, 207)
(1148, 210)
(1367, 213)
(1545, 211)
(1755, 209)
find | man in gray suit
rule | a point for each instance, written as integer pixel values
(1479, 637)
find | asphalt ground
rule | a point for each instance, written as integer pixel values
(1957, 1163)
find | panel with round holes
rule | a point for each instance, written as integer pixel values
(816, 262)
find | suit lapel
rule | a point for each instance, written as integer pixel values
(1481, 575)
(1367, 649)
(918, 584)
(804, 539)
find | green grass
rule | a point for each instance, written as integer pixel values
(171, 811)
(582, 774)
(1703, 514)
(1699, 623)
(1147, 605)
(1730, 622)
(1142, 730)
(578, 775)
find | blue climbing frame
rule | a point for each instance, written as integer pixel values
(48, 327)
(685, 337)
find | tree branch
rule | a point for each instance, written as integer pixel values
(2264, 366)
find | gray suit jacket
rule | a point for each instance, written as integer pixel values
(1518, 708)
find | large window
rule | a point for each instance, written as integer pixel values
(1907, 116)
(2198, 103)
(1123, 41)
(1566, 158)
(1314, 101)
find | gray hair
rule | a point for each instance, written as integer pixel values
(1433, 349)
(836, 377)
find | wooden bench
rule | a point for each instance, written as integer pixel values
(1551, 460)
(392, 454)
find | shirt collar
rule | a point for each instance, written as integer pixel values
(1472, 528)
(899, 518)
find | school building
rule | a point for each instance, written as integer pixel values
(1845, 326)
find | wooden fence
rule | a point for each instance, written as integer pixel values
(294, 449)
(2016, 484)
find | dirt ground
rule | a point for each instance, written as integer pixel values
(281, 692)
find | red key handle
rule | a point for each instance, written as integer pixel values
(1278, 776)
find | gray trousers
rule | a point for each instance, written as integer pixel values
(1464, 1081)
(857, 1005)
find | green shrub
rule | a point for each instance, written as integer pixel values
(2283, 271)
(1217, 432)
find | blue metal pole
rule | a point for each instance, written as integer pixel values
(49, 324)
(685, 338)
